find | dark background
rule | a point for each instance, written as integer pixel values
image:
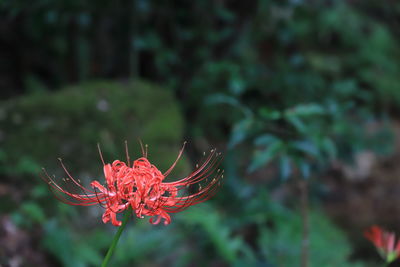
(301, 96)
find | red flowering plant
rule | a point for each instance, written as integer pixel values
(384, 242)
(141, 188)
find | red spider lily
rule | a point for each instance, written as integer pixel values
(384, 241)
(141, 187)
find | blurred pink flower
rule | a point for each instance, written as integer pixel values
(384, 241)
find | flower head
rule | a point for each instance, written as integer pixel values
(141, 187)
(384, 242)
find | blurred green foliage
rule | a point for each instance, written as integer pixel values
(292, 85)
(42, 127)
(322, 237)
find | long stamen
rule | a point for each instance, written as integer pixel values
(128, 161)
(75, 182)
(101, 155)
(176, 160)
(141, 147)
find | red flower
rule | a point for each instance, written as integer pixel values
(384, 242)
(142, 188)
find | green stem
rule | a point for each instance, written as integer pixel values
(305, 246)
(114, 243)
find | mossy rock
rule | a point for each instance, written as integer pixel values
(37, 129)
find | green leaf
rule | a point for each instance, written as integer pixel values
(226, 99)
(88, 254)
(285, 167)
(240, 132)
(265, 156)
(305, 110)
(27, 165)
(269, 114)
(33, 211)
(210, 222)
(236, 86)
(222, 99)
(265, 139)
(307, 147)
(298, 124)
(329, 147)
(40, 191)
(305, 169)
